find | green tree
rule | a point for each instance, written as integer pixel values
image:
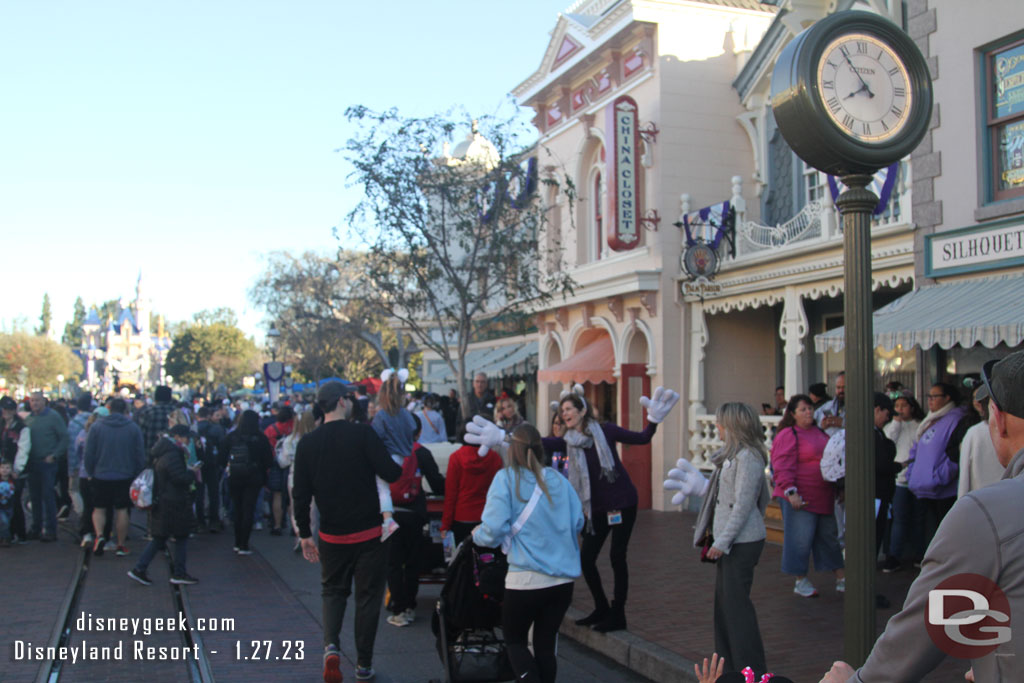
(46, 317)
(73, 330)
(454, 241)
(225, 348)
(42, 358)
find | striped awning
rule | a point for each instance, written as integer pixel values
(494, 362)
(987, 311)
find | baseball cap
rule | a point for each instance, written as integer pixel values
(8, 403)
(1002, 381)
(331, 391)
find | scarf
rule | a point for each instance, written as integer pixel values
(579, 475)
(931, 418)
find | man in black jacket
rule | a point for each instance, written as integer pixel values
(336, 464)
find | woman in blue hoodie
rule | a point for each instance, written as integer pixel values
(536, 516)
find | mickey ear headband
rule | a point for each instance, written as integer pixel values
(748, 676)
(403, 375)
(577, 391)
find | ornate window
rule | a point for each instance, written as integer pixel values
(598, 215)
(1004, 109)
(815, 184)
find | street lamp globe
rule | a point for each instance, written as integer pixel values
(273, 339)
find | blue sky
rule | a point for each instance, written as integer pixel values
(186, 139)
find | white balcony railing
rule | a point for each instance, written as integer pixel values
(705, 440)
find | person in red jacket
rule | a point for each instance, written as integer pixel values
(465, 489)
(277, 476)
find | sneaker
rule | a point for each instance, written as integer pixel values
(98, 546)
(235, 549)
(891, 565)
(258, 526)
(805, 589)
(841, 585)
(111, 544)
(183, 579)
(275, 532)
(141, 576)
(365, 673)
(88, 540)
(389, 527)
(122, 551)
(410, 615)
(398, 620)
(332, 665)
(244, 551)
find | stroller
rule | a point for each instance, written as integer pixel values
(467, 614)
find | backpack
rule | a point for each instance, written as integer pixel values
(240, 462)
(833, 460)
(141, 490)
(409, 485)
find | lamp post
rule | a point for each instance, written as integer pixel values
(60, 386)
(273, 339)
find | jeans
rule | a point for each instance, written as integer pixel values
(907, 525)
(243, 500)
(159, 543)
(807, 533)
(403, 561)
(5, 524)
(211, 488)
(737, 635)
(365, 564)
(543, 609)
(620, 569)
(43, 495)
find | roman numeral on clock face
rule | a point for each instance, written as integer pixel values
(834, 104)
(848, 121)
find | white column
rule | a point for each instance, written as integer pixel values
(793, 329)
(698, 340)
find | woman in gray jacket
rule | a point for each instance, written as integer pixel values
(737, 509)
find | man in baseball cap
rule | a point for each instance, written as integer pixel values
(982, 535)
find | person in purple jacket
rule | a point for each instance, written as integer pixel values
(608, 495)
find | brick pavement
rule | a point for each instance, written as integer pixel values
(33, 580)
(672, 595)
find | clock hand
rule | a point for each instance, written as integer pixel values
(863, 83)
(862, 88)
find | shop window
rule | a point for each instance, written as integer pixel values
(1004, 85)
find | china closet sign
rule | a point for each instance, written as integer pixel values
(625, 233)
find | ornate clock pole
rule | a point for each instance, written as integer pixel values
(852, 94)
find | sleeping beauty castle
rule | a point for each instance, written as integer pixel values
(123, 352)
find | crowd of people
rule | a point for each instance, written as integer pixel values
(344, 475)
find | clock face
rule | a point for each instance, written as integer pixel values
(864, 87)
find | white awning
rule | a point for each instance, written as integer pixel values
(986, 311)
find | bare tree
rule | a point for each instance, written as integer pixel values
(453, 235)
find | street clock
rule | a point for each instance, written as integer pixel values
(852, 93)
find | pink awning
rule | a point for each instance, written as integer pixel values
(594, 363)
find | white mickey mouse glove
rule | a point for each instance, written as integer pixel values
(660, 404)
(485, 433)
(685, 480)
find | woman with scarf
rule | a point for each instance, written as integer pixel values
(731, 525)
(933, 472)
(608, 495)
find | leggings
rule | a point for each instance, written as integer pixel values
(543, 609)
(243, 499)
(592, 548)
